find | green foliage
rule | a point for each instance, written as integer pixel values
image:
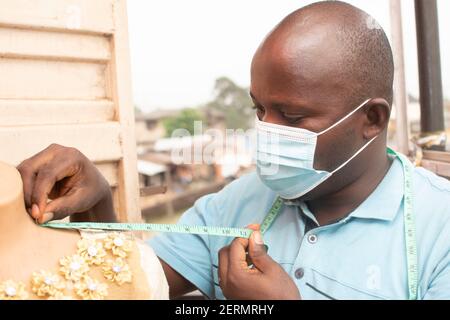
(232, 103)
(231, 106)
(185, 120)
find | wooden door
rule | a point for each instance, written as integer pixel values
(65, 79)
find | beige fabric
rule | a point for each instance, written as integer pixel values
(149, 281)
(156, 279)
(120, 268)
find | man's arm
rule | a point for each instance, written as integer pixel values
(178, 285)
(77, 189)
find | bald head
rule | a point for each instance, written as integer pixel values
(331, 44)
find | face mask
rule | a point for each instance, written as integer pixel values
(285, 157)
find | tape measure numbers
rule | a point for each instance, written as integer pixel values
(175, 228)
(171, 228)
(409, 223)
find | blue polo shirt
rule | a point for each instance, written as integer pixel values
(362, 256)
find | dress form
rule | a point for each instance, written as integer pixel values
(24, 245)
(32, 256)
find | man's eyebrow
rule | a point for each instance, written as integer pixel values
(281, 105)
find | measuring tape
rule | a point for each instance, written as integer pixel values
(408, 214)
(174, 228)
(409, 225)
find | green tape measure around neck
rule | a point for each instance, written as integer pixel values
(409, 225)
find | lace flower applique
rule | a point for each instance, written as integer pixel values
(73, 267)
(44, 283)
(118, 244)
(117, 270)
(10, 290)
(91, 289)
(92, 251)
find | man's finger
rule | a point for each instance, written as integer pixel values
(238, 250)
(237, 258)
(39, 159)
(35, 213)
(28, 176)
(45, 181)
(28, 169)
(223, 267)
(64, 206)
(258, 252)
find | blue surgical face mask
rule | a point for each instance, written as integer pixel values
(285, 157)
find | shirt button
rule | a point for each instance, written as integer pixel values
(299, 273)
(312, 238)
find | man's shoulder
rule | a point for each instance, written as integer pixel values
(431, 187)
(431, 198)
(432, 181)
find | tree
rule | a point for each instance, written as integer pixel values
(232, 102)
(185, 120)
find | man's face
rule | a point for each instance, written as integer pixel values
(304, 92)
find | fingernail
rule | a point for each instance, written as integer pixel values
(258, 237)
(253, 226)
(35, 211)
(47, 217)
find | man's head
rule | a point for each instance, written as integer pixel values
(316, 66)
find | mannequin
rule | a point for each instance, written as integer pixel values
(26, 248)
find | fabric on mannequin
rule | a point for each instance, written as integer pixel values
(43, 263)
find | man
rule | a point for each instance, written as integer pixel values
(323, 79)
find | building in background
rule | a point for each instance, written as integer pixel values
(186, 167)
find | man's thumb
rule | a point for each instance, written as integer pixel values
(60, 208)
(258, 252)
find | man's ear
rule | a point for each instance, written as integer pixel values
(378, 112)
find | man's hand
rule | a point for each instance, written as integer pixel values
(65, 176)
(266, 280)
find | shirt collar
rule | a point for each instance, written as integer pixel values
(383, 203)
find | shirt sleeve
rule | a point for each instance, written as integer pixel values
(439, 287)
(189, 254)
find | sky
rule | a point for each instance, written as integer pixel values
(178, 47)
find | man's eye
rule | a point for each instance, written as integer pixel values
(258, 109)
(293, 119)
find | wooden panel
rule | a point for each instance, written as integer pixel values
(109, 171)
(116, 199)
(32, 112)
(66, 80)
(84, 15)
(436, 155)
(100, 142)
(53, 45)
(34, 79)
(439, 167)
(121, 93)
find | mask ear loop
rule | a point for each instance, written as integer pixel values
(344, 118)
(353, 156)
